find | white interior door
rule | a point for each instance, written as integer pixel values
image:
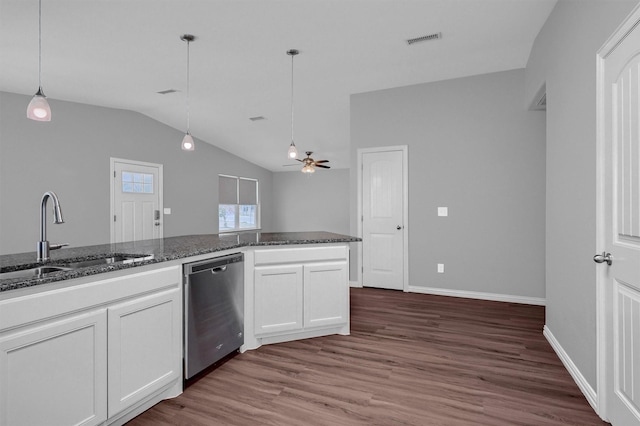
(384, 218)
(136, 207)
(619, 76)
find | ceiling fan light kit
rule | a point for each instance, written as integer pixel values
(310, 164)
(39, 109)
(187, 142)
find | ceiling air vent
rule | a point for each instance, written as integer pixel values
(429, 37)
(166, 92)
(257, 118)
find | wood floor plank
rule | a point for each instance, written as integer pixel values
(411, 359)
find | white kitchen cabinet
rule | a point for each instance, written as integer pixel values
(144, 353)
(92, 352)
(299, 293)
(55, 373)
(278, 299)
(326, 294)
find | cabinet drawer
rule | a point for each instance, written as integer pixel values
(299, 255)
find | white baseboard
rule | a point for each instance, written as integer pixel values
(355, 284)
(582, 383)
(479, 295)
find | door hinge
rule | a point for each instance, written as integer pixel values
(114, 174)
(114, 217)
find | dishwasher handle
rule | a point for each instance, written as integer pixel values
(215, 265)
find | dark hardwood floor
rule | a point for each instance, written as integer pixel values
(411, 359)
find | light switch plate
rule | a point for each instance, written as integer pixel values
(441, 268)
(167, 210)
(443, 211)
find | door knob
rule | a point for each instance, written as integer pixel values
(398, 227)
(602, 258)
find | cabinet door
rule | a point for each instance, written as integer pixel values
(145, 341)
(278, 299)
(56, 373)
(326, 294)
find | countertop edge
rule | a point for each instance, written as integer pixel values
(162, 251)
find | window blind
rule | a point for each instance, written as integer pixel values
(228, 188)
(248, 192)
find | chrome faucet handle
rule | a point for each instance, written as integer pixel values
(57, 246)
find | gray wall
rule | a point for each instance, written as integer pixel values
(563, 57)
(474, 149)
(70, 155)
(318, 202)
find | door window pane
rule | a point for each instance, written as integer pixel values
(141, 183)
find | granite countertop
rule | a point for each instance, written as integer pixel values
(152, 251)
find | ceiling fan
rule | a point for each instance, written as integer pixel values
(310, 164)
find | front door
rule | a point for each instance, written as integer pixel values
(136, 201)
(619, 284)
(383, 218)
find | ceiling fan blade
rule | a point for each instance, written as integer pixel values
(322, 161)
(322, 166)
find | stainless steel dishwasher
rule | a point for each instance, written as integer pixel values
(214, 311)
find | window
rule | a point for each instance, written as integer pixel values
(238, 207)
(137, 182)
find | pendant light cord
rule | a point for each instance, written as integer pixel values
(188, 113)
(40, 45)
(292, 98)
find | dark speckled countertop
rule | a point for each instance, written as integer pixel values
(162, 250)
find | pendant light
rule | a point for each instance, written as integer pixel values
(187, 141)
(38, 108)
(293, 152)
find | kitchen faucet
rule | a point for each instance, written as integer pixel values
(43, 244)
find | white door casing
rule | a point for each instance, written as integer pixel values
(136, 209)
(618, 233)
(382, 205)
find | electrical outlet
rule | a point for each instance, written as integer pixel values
(441, 268)
(443, 211)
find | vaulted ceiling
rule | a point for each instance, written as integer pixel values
(120, 53)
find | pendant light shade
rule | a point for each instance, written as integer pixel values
(39, 109)
(293, 152)
(187, 141)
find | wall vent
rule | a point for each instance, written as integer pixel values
(429, 37)
(166, 92)
(257, 118)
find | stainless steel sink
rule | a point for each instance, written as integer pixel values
(124, 258)
(32, 272)
(62, 265)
